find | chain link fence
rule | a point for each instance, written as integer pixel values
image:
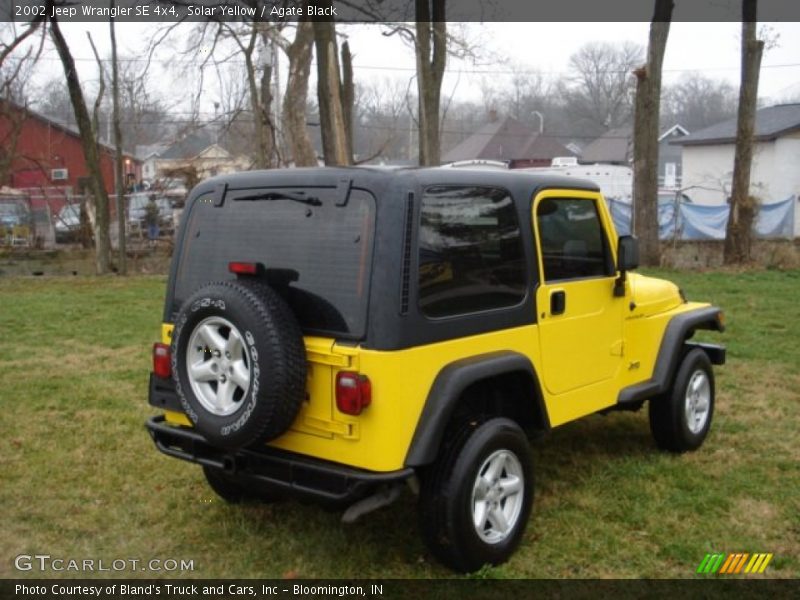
(48, 218)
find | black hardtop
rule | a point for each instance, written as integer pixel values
(377, 178)
(393, 270)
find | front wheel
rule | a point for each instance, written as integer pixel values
(681, 418)
(476, 498)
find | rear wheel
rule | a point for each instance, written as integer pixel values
(476, 498)
(681, 418)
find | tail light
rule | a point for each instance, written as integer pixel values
(244, 268)
(162, 361)
(353, 392)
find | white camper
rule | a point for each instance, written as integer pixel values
(615, 181)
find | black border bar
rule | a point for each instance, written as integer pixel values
(379, 11)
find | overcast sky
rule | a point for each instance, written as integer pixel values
(711, 49)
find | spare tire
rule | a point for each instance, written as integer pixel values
(238, 361)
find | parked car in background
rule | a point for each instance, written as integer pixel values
(67, 224)
(16, 222)
(13, 213)
(137, 210)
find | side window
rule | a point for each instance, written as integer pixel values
(572, 241)
(470, 251)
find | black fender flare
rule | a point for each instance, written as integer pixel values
(446, 391)
(671, 351)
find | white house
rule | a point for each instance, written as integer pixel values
(775, 176)
(200, 151)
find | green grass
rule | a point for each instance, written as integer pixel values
(81, 479)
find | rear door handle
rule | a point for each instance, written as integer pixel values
(558, 302)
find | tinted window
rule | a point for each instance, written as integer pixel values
(571, 238)
(317, 257)
(470, 251)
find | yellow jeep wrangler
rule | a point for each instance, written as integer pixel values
(340, 334)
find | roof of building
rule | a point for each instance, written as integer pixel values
(68, 129)
(674, 131)
(614, 146)
(505, 139)
(771, 122)
(190, 146)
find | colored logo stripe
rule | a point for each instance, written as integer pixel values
(710, 563)
(734, 564)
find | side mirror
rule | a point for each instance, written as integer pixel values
(627, 260)
(627, 253)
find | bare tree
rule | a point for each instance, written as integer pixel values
(89, 144)
(380, 110)
(143, 115)
(431, 52)
(347, 94)
(98, 100)
(259, 78)
(118, 175)
(52, 99)
(738, 237)
(335, 147)
(294, 102)
(645, 135)
(696, 101)
(599, 95)
(218, 42)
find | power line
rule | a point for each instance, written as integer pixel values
(399, 128)
(413, 69)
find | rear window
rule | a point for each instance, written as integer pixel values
(317, 257)
(470, 251)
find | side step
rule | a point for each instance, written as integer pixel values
(295, 474)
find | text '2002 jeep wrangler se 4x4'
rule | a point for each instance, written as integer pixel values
(335, 333)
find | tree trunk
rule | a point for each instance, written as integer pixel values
(90, 151)
(739, 234)
(294, 102)
(118, 174)
(348, 96)
(645, 137)
(331, 114)
(260, 100)
(431, 51)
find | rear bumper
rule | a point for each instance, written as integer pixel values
(292, 473)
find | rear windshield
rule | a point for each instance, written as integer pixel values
(318, 257)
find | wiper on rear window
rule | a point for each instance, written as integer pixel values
(297, 197)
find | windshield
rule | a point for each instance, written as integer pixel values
(138, 205)
(10, 209)
(317, 257)
(71, 211)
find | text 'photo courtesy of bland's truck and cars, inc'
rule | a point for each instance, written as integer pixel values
(189, 590)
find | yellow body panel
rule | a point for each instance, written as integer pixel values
(583, 358)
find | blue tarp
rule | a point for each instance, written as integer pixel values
(707, 222)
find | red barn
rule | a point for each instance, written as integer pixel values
(44, 154)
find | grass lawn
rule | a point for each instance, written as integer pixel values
(81, 478)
